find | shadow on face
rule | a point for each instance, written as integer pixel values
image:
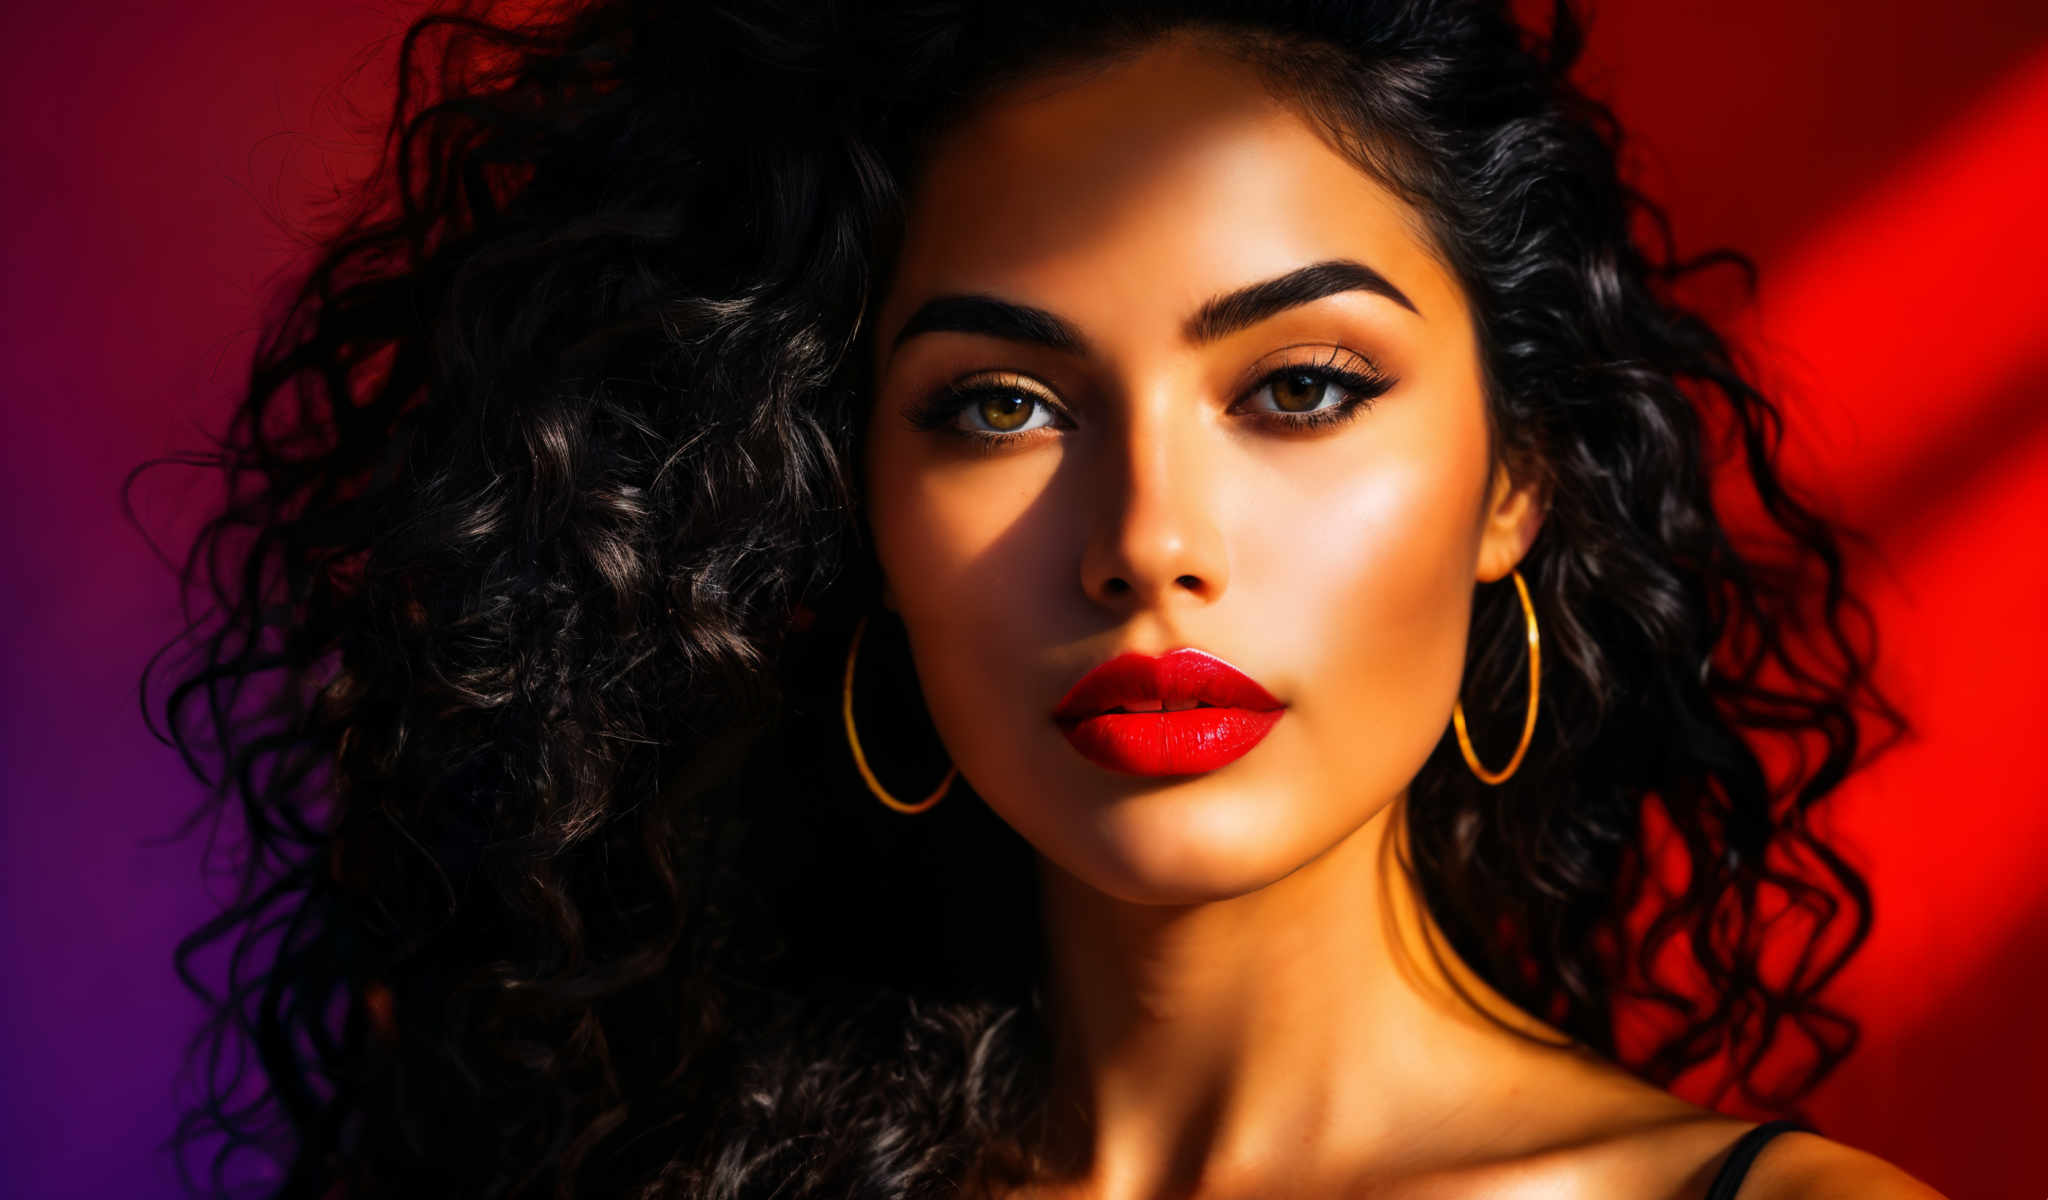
(1160, 368)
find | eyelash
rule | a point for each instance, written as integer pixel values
(1362, 388)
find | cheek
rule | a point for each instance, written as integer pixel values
(1372, 597)
(968, 569)
(953, 533)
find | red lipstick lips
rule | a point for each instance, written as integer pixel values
(1182, 713)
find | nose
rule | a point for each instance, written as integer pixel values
(1153, 538)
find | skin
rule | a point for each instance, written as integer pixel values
(1245, 995)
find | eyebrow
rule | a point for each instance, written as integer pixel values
(1217, 318)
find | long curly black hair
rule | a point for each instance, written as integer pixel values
(543, 541)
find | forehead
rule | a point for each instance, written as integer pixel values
(1129, 191)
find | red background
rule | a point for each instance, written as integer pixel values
(1883, 162)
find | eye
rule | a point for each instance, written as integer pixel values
(986, 410)
(1316, 394)
(1002, 409)
(1299, 389)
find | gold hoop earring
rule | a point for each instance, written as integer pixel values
(861, 760)
(1528, 723)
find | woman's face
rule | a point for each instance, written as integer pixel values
(1117, 473)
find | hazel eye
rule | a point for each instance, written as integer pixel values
(1002, 409)
(987, 412)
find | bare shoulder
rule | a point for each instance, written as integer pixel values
(1806, 1166)
(1631, 1138)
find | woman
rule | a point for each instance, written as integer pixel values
(1235, 490)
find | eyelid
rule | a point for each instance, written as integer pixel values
(1004, 379)
(1007, 380)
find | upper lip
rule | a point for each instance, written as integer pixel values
(1177, 678)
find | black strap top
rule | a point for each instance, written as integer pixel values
(1744, 1152)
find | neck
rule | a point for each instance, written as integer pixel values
(1317, 1018)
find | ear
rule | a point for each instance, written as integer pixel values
(1514, 512)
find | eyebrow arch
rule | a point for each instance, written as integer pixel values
(1247, 306)
(1217, 318)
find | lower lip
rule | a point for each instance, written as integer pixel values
(1187, 742)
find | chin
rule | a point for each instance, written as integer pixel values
(1191, 844)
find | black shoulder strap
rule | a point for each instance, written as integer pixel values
(1743, 1153)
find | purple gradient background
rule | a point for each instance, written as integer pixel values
(151, 150)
